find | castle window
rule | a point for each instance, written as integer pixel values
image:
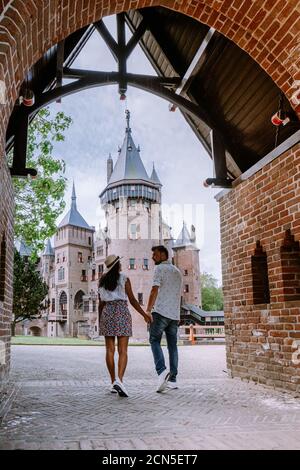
(146, 264)
(186, 288)
(133, 231)
(90, 240)
(100, 250)
(83, 275)
(260, 279)
(80, 257)
(58, 258)
(185, 272)
(53, 306)
(93, 274)
(132, 263)
(94, 305)
(290, 265)
(61, 274)
(64, 256)
(63, 304)
(2, 268)
(140, 298)
(78, 300)
(86, 306)
(100, 270)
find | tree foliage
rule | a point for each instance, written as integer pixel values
(212, 295)
(39, 201)
(29, 289)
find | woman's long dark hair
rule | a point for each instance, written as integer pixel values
(110, 280)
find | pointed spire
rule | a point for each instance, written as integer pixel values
(127, 112)
(129, 165)
(73, 199)
(73, 217)
(154, 176)
(184, 238)
(48, 250)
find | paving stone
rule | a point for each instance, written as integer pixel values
(63, 402)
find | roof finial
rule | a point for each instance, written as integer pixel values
(127, 112)
(73, 199)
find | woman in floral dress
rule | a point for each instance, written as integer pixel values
(115, 319)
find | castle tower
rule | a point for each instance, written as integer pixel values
(47, 267)
(132, 205)
(73, 253)
(186, 258)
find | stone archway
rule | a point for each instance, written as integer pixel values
(35, 331)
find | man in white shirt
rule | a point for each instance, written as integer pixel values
(164, 305)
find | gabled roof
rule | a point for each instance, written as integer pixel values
(129, 165)
(48, 249)
(73, 217)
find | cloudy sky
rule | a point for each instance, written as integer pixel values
(164, 137)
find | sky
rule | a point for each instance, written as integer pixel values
(164, 137)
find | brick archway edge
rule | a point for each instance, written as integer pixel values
(266, 29)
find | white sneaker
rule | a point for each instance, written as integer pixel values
(162, 381)
(120, 388)
(111, 389)
(172, 385)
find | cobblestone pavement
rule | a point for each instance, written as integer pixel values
(63, 402)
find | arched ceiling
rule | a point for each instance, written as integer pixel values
(222, 87)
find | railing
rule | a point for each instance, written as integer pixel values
(59, 317)
(200, 333)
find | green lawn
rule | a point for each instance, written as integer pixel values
(54, 341)
(43, 340)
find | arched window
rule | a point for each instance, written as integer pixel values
(290, 266)
(260, 279)
(63, 301)
(78, 300)
(2, 268)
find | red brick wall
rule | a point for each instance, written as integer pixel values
(261, 338)
(6, 230)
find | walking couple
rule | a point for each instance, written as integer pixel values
(162, 314)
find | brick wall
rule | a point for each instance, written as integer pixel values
(260, 233)
(6, 263)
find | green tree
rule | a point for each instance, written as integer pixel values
(39, 201)
(212, 295)
(29, 290)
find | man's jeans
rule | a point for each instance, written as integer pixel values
(159, 325)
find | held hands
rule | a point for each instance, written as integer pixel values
(148, 317)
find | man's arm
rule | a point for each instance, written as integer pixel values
(152, 298)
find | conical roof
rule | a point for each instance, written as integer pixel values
(73, 217)
(48, 249)
(129, 165)
(22, 248)
(184, 238)
(154, 176)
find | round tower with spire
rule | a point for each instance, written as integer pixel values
(132, 205)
